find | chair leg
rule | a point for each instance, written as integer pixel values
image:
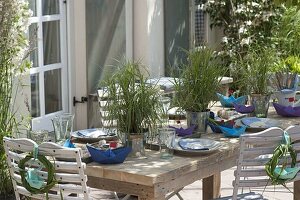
(176, 192)
(116, 196)
(124, 198)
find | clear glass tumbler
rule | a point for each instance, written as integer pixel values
(63, 126)
(166, 141)
(165, 103)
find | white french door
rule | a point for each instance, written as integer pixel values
(48, 74)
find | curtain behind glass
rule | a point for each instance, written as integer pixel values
(105, 35)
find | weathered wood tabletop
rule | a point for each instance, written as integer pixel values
(152, 177)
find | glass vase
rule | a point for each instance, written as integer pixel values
(137, 144)
(261, 104)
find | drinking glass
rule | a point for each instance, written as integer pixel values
(63, 126)
(166, 141)
(67, 124)
(165, 102)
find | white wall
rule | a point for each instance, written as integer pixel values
(148, 35)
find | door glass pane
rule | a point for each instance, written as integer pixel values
(53, 99)
(35, 95)
(50, 7)
(51, 42)
(34, 44)
(32, 6)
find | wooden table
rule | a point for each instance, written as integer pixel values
(152, 177)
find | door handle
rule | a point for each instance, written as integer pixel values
(83, 100)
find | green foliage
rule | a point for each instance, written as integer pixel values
(286, 34)
(244, 22)
(255, 69)
(288, 3)
(285, 72)
(132, 102)
(199, 80)
(13, 24)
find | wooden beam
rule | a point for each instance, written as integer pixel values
(212, 187)
(297, 190)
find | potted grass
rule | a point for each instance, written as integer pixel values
(132, 103)
(197, 86)
(256, 67)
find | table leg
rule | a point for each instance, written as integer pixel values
(150, 197)
(211, 187)
(297, 190)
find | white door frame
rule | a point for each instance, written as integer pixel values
(44, 121)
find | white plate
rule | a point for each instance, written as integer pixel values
(201, 146)
(93, 135)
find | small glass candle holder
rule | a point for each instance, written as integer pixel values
(38, 136)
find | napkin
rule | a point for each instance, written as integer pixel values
(68, 143)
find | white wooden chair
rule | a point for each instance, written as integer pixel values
(255, 151)
(69, 173)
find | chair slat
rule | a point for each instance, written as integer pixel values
(260, 182)
(23, 191)
(66, 188)
(62, 177)
(263, 161)
(265, 150)
(252, 173)
(26, 145)
(59, 165)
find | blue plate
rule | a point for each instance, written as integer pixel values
(261, 123)
(197, 144)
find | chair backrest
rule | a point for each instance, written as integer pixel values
(69, 173)
(255, 151)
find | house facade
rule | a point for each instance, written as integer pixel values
(76, 43)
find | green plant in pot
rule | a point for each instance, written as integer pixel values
(197, 85)
(132, 102)
(286, 73)
(256, 67)
(285, 80)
